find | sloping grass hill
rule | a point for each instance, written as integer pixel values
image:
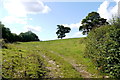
(48, 59)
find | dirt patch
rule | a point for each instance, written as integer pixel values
(52, 67)
(77, 67)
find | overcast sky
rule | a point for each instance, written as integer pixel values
(42, 18)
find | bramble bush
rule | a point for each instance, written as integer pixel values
(103, 47)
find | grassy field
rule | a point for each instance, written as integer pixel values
(48, 59)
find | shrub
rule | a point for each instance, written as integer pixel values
(103, 46)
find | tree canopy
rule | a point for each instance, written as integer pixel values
(6, 33)
(12, 37)
(61, 30)
(28, 36)
(92, 21)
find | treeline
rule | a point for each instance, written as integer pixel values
(12, 37)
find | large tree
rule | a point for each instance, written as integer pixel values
(28, 36)
(92, 21)
(61, 30)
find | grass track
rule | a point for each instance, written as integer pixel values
(51, 59)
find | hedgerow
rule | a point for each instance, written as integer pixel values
(103, 47)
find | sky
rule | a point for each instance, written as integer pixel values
(42, 17)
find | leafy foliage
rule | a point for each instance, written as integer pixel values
(12, 37)
(93, 20)
(6, 33)
(28, 36)
(103, 47)
(62, 30)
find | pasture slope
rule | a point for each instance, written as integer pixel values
(48, 59)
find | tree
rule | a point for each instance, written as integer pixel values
(15, 37)
(6, 33)
(92, 21)
(1, 26)
(12, 37)
(28, 36)
(61, 30)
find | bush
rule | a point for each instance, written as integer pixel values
(103, 46)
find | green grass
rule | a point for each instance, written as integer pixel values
(26, 59)
(21, 63)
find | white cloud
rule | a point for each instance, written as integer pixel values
(117, 1)
(21, 8)
(15, 7)
(76, 25)
(106, 11)
(35, 6)
(33, 28)
(13, 20)
(18, 11)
